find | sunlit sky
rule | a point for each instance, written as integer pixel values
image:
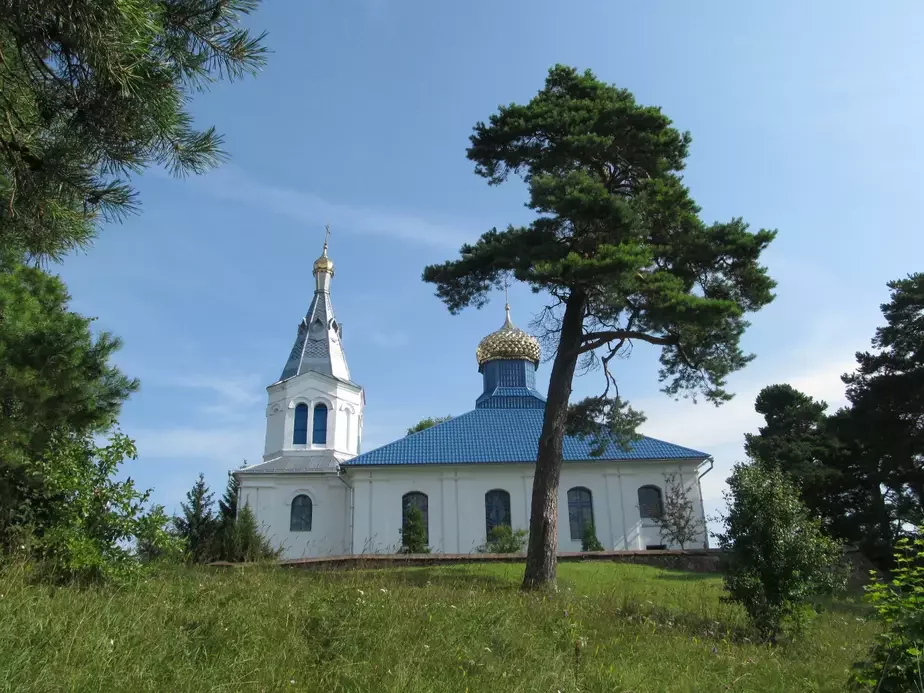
(805, 118)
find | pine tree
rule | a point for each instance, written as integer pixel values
(227, 517)
(56, 383)
(247, 541)
(198, 526)
(94, 91)
(620, 250)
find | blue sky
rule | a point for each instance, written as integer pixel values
(804, 116)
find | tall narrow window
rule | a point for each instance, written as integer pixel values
(319, 430)
(580, 511)
(300, 434)
(300, 514)
(418, 500)
(650, 506)
(496, 509)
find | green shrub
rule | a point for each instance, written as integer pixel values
(246, 543)
(414, 533)
(895, 664)
(92, 523)
(777, 557)
(589, 541)
(503, 539)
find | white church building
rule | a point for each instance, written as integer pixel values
(316, 495)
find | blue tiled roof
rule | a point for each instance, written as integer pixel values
(485, 436)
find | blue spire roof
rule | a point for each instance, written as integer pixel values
(503, 435)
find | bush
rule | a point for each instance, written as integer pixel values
(414, 533)
(679, 523)
(777, 558)
(896, 662)
(589, 541)
(246, 542)
(90, 523)
(503, 539)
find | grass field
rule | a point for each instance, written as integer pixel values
(611, 627)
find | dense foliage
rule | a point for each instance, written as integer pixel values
(589, 540)
(778, 559)
(895, 664)
(619, 248)
(88, 523)
(232, 534)
(860, 469)
(94, 91)
(414, 533)
(504, 539)
(679, 523)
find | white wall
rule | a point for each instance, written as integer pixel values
(344, 417)
(456, 502)
(270, 497)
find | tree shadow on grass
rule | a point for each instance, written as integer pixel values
(681, 576)
(458, 578)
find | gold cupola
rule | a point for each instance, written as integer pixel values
(509, 342)
(324, 263)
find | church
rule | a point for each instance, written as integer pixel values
(315, 494)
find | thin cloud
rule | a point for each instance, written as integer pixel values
(232, 183)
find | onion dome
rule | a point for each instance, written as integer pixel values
(509, 342)
(324, 263)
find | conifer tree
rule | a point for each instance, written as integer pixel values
(197, 525)
(94, 91)
(620, 250)
(414, 533)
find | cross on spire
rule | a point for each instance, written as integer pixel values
(326, 236)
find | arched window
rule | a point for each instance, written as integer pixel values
(319, 430)
(300, 434)
(496, 509)
(650, 506)
(300, 514)
(580, 511)
(418, 500)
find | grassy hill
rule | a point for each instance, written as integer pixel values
(611, 627)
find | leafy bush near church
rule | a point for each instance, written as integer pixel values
(414, 534)
(895, 664)
(777, 557)
(90, 522)
(679, 523)
(589, 541)
(504, 539)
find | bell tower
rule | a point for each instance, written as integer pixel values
(314, 417)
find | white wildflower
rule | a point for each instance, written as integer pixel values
(383, 590)
(292, 682)
(362, 594)
(452, 606)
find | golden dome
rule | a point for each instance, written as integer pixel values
(324, 263)
(508, 342)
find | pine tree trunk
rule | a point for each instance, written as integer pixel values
(541, 555)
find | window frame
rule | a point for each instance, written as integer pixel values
(507, 519)
(296, 504)
(424, 511)
(301, 407)
(586, 509)
(660, 510)
(314, 423)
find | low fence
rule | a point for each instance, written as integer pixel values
(696, 560)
